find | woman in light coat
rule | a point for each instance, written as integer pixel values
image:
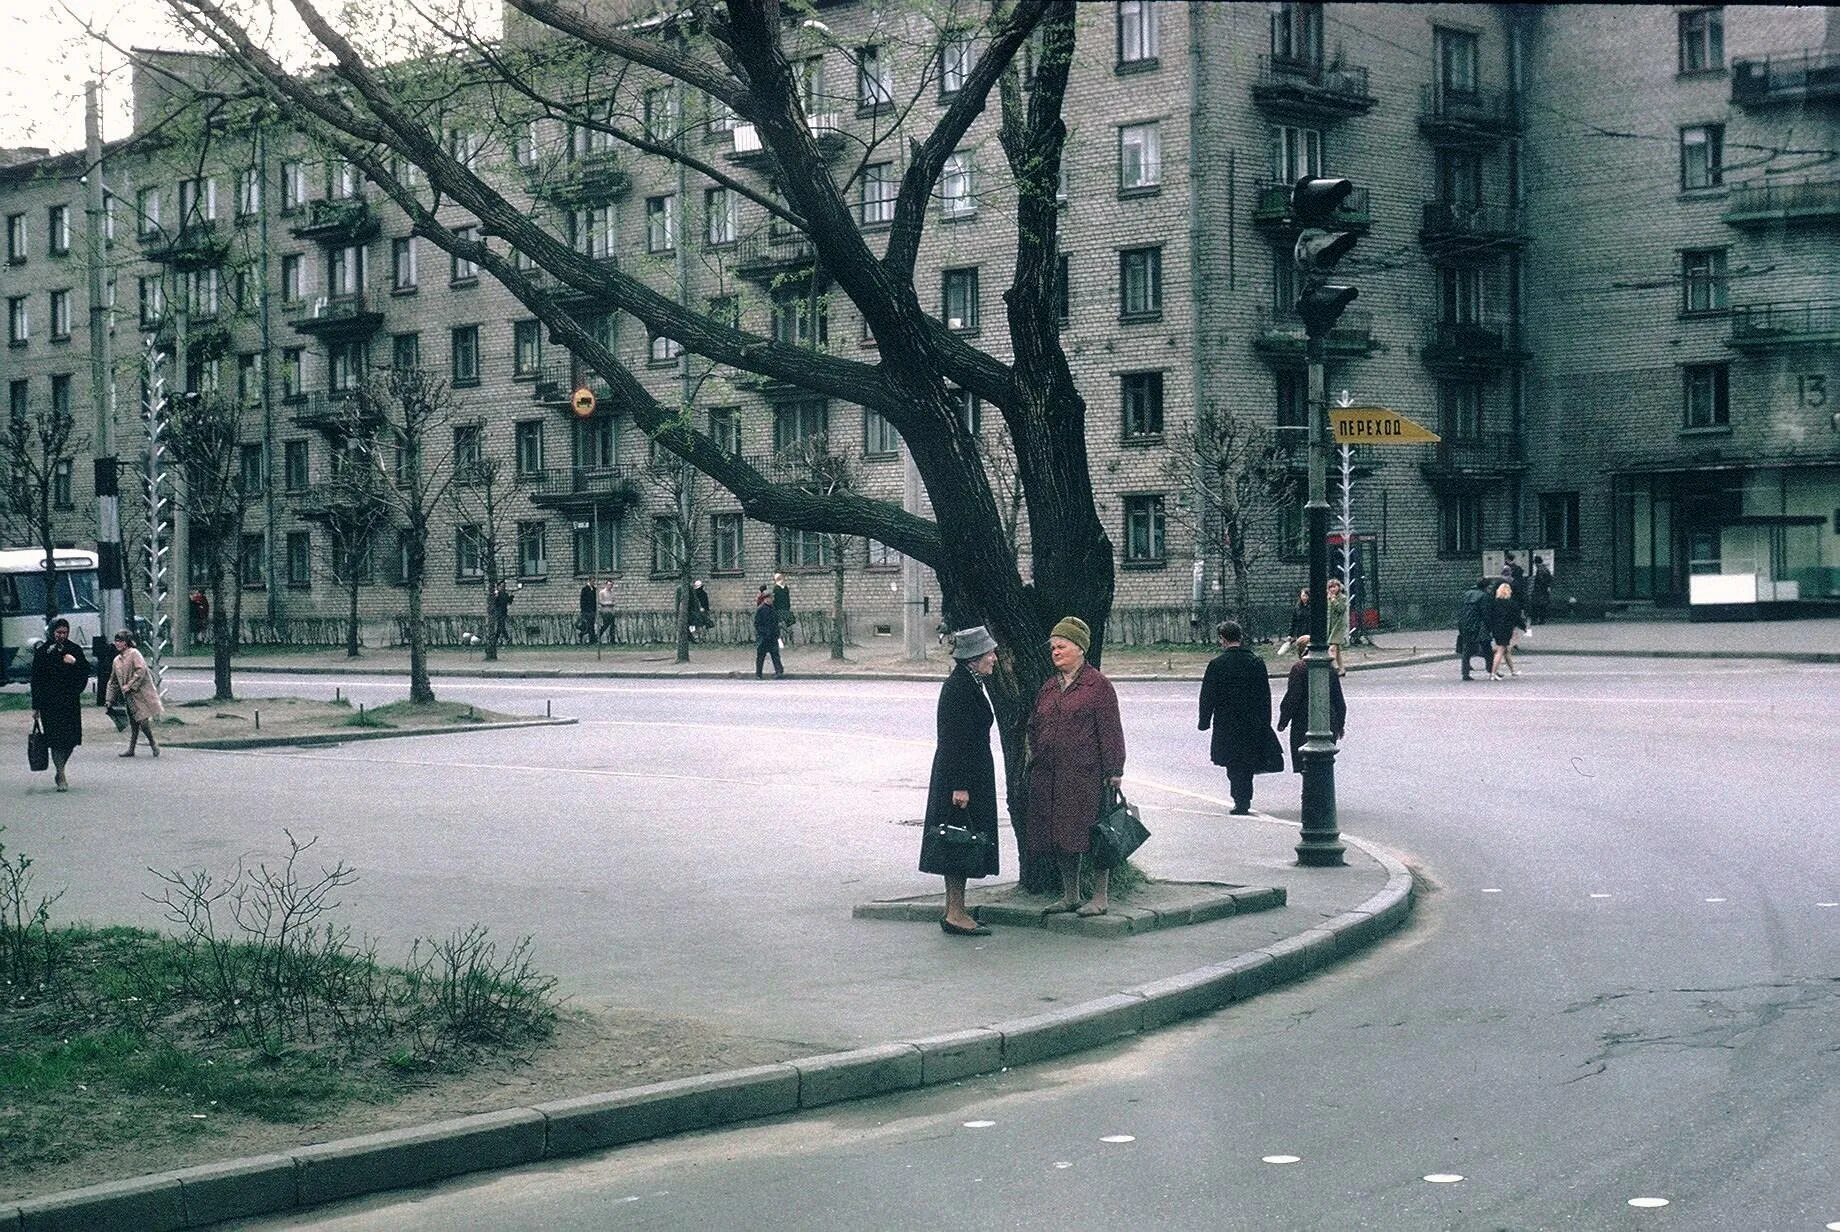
(131, 685)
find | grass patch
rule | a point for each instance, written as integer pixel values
(365, 718)
(428, 712)
(15, 701)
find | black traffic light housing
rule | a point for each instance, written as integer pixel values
(1314, 201)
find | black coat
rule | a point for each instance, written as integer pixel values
(1294, 710)
(1236, 703)
(766, 624)
(1504, 618)
(57, 692)
(961, 762)
(1473, 620)
(1300, 621)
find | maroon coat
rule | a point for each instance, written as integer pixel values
(1076, 742)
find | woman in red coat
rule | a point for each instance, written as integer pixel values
(1076, 752)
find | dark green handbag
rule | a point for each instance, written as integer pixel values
(1119, 831)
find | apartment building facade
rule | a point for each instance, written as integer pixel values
(280, 277)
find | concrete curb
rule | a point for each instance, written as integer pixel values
(359, 733)
(1122, 920)
(292, 1180)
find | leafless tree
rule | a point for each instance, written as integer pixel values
(205, 436)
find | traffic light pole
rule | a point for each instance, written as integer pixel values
(1321, 843)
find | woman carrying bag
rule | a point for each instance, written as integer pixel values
(1076, 757)
(960, 838)
(131, 685)
(60, 674)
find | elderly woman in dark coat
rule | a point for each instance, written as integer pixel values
(1236, 703)
(1076, 753)
(963, 791)
(60, 673)
(1294, 710)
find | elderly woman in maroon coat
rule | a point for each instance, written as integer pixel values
(1076, 752)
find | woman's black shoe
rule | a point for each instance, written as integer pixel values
(959, 930)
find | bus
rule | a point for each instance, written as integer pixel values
(22, 603)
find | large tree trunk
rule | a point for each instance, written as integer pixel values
(420, 691)
(220, 633)
(837, 606)
(351, 623)
(683, 618)
(492, 613)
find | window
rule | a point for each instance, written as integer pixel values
(345, 271)
(1137, 42)
(466, 355)
(1296, 33)
(1707, 403)
(1459, 177)
(251, 549)
(532, 550)
(152, 300)
(1460, 410)
(667, 547)
(1702, 40)
(60, 316)
(345, 364)
(725, 542)
(955, 189)
(874, 79)
(469, 553)
(197, 202)
(293, 278)
(1702, 156)
(1140, 157)
(248, 192)
(61, 472)
(594, 443)
(465, 269)
(810, 75)
(530, 447)
(400, 559)
(1459, 524)
(57, 230)
(1702, 280)
(957, 57)
(1143, 530)
(591, 231)
(797, 422)
(240, 297)
(469, 446)
(525, 142)
(293, 374)
(1456, 61)
(466, 147)
(725, 310)
(1559, 520)
(16, 239)
(1295, 153)
(970, 410)
(351, 558)
(294, 455)
(526, 348)
(1063, 288)
(725, 428)
(1142, 401)
(597, 547)
(959, 298)
(18, 397)
(804, 549)
(879, 437)
(147, 212)
(18, 321)
(60, 395)
(881, 556)
(405, 352)
(402, 263)
(201, 292)
(1140, 283)
(251, 473)
(879, 186)
(722, 117)
(293, 186)
(718, 216)
(661, 223)
(249, 378)
(1460, 296)
(661, 114)
(794, 317)
(663, 350)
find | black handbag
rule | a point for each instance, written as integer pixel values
(962, 839)
(1119, 831)
(38, 753)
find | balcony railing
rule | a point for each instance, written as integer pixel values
(1280, 332)
(328, 410)
(345, 316)
(1785, 78)
(1761, 204)
(583, 486)
(1473, 453)
(337, 221)
(766, 257)
(1454, 228)
(1466, 115)
(1305, 85)
(196, 245)
(1272, 208)
(593, 178)
(1797, 323)
(1469, 344)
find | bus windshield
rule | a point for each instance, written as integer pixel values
(76, 591)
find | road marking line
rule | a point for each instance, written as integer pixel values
(1281, 1159)
(1118, 1138)
(492, 766)
(1444, 1178)
(1648, 1203)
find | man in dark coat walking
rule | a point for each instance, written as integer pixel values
(766, 637)
(1236, 703)
(962, 793)
(60, 675)
(1473, 624)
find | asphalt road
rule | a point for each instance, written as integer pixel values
(1621, 991)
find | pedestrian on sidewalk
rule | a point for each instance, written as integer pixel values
(1236, 703)
(1300, 621)
(1338, 624)
(131, 685)
(1505, 623)
(201, 614)
(782, 603)
(501, 613)
(960, 838)
(1539, 602)
(584, 617)
(603, 602)
(1076, 754)
(60, 675)
(1294, 710)
(1473, 625)
(699, 610)
(1516, 577)
(766, 636)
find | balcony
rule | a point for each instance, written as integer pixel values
(337, 317)
(1789, 77)
(338, 222)
(826, 130)
(1469, 346)
(1764, 327)
(568, 296)
(1308, 88)
(1769, 205)
(205, 336)
(1280, 335)
(766, 259)
(581, 487)
(1466, 117)
(1271, 209)
(196, 245)
(333, 501)
(1453, 231)
(595, 178)
(1293, 445)
(1469, 457)
(331, 412)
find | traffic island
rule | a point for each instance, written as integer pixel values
(1147, 906)
(283, 722)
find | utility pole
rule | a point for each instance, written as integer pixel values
(101, 384)
(271, 514)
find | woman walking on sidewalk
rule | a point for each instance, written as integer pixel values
(131, 685)
(960, 839)
(1505, 623)
(60, 673)
(1076, 753)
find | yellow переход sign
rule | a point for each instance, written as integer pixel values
(1376, 425)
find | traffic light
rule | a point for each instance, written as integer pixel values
(1314, 200)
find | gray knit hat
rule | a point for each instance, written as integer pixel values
(973, 642)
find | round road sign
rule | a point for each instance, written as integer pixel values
(583, 402)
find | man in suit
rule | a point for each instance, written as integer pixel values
(1236, 703)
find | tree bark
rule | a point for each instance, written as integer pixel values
(837, 639)
(683, 617)
(220, 632)
(351, 626)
